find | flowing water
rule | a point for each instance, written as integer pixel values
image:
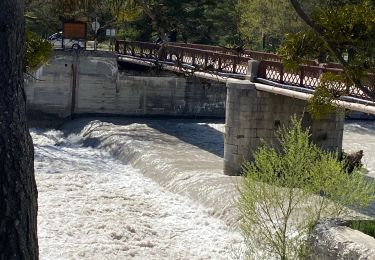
(154, 189)
(92, 206)
(360, 135)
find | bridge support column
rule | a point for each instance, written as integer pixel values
(253, 115)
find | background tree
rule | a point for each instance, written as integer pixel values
(45, 17)
(41, 17)
(189, 21)
(342, 31)
(264, 24)
(152, 9)
(18, 193)
(37, 51)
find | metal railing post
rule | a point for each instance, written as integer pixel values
(301, 76)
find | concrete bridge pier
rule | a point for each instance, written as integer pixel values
(252, 115)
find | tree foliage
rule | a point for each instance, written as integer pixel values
(287, 192)
(204, 21)
(329, 90)
(340, 31)
(37, 51)
(46, 17)
(41, 17)
(264, 24)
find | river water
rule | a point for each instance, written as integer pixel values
(92, 206)
(151, 189)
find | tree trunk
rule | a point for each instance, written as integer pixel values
(18, 193)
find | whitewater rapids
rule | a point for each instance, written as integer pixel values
(154, 189)
(92, 206)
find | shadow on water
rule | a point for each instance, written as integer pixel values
(197, 133)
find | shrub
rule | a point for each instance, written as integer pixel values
(287, 191)
(37, 51)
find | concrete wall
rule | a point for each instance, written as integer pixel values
(152, 95)
(254, 115)
(51, 92)
(102, 89)
(330, 241)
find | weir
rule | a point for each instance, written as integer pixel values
(90, 83)
(100, 88)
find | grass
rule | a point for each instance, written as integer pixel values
(365, 226)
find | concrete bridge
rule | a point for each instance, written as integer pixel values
(256, 97)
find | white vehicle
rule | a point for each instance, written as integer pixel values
(57, 41)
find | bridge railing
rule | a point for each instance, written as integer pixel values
(215, 58)
(199, 59)
(256, 55)
(307, 77)
(207, 60)
(141, 49)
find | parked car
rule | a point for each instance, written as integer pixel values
(57, 41)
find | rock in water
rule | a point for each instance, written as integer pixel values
(353, 160)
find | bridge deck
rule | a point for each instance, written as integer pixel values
(224, 64)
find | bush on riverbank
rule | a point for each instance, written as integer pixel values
(286, 192)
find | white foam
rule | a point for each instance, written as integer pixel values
(91, 206)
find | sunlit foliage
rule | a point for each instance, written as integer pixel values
(343, 32)
(37, 51)
(287, 192)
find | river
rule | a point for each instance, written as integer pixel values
(151, 189)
